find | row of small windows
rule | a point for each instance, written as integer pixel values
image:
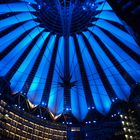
(16, 127)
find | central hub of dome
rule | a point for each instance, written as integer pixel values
(66, 16)
(66, 2)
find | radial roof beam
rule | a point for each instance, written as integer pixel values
(85, 81)
(102, 75)
(47, 89)
(123, 72)
(15, 67)
(35, 67)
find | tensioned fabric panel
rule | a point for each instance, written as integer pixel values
(104, 59)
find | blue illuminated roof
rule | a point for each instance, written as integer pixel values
(68, 57)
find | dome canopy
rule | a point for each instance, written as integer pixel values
(67, 55)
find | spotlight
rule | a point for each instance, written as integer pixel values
(24, 94)
(124, 129)
(93, 107)
(84, 8)
(6, 115)
(126, 136)
(123, 122)
(125, 117)
(43, 103)
(113, 100)
(118, 113)
(39, 6)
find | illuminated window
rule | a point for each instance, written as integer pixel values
(75, 128)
